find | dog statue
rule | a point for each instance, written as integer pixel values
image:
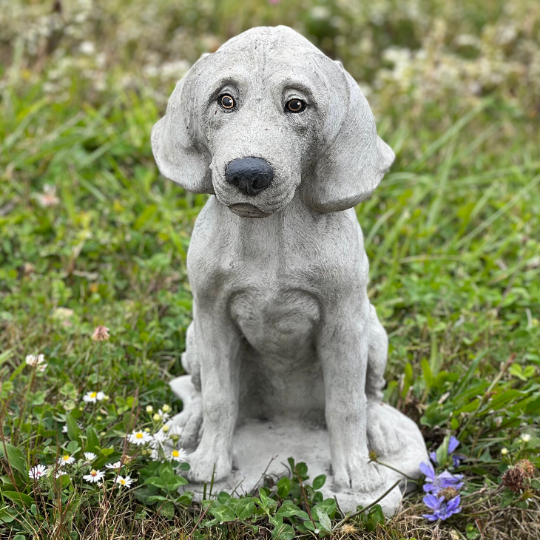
(285, 352)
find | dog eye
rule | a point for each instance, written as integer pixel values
(226, 101)
(295, 105)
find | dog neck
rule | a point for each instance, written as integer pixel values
(281, 231)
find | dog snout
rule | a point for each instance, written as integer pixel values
(250, 175)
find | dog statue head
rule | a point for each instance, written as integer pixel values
(268, 115)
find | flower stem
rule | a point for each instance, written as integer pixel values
(415, 480)
(23, 407)
(369, 506)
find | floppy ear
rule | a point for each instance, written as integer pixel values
(354, 160)
(177, 155)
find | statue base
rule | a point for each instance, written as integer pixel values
(261, 449)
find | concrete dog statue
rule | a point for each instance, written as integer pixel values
(283, 332)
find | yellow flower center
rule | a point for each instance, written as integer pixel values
(175, 453)
(139, 436)
(93, 394)
(93, 472)
(122, 481)
(65, 458)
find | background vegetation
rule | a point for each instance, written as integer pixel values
(91, 235)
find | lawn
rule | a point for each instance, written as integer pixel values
(91, 235)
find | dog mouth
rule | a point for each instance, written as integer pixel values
(247, 210)
(272, 200)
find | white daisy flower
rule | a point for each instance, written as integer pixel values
(89, 456)
(37, 472)
(525, 437)
(66, 459)
(127, 481)
(94, 476)
(60, 473)
(175, 430)
(159, 439)
(163, 414)
(92, 397)
(116, 465)
(140, 437)
(178, 455)
(36, 361)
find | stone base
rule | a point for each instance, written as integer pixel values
(262, 448)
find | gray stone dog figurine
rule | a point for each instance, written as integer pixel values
(285, 353)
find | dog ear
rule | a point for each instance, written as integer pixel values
(354, 158)
(177, 155)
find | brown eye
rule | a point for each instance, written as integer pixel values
(226, 101)
(295, 105)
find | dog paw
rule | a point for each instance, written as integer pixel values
(193, 424)
(206, 464)
(383, 433)
(360, 475)
(189, 424)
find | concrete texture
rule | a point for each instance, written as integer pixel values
(285, 346)
(261, 449)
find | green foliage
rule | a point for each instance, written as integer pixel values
(292, 506)
(14, 457)
(160, 488)
(372, 518)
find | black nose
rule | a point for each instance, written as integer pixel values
(250, 175)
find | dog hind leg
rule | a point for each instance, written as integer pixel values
(190, 360)
(383, 435)
(377, 357)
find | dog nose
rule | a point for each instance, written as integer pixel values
(250, 175)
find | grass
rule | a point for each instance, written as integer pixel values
(451, 234)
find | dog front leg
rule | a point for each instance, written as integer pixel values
(343, 353)
(218, 344)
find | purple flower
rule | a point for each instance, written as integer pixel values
(453, 443)
(442, 509)
(436, 482)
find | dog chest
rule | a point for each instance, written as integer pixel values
(276, 321)
(297, 250)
